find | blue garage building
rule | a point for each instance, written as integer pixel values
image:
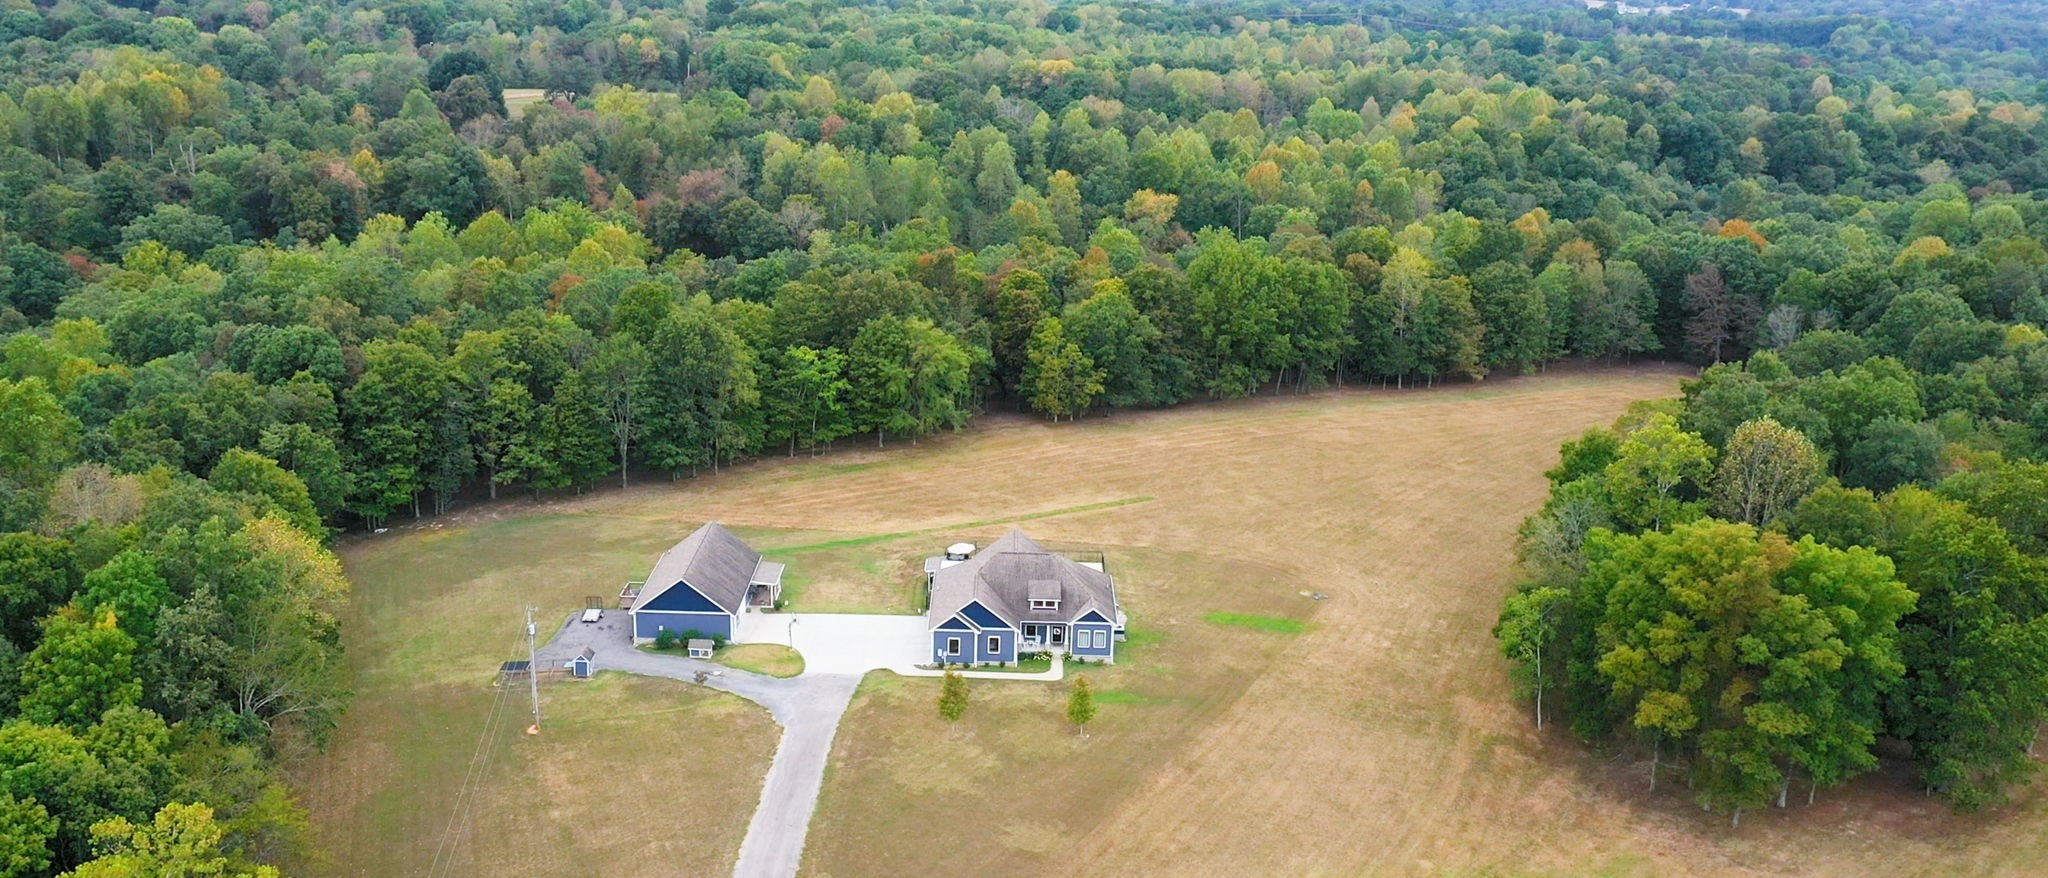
(704, 584)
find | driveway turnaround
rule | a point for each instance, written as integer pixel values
(844, 643)
(837, 649)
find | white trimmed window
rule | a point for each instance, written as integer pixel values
(1101, 639)
(952, 646)
(995, 645)
(1045, 604)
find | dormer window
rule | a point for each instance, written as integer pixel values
(1037, 604)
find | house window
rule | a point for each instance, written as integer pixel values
(1045, 605)
(995, 645)
(1101, 639)
(952, 646)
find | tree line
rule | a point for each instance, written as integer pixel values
(1813, 550)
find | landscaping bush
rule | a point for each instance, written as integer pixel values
(665, 639)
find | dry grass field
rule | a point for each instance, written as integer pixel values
(433, 613)
(1248, 729)
(518, 99)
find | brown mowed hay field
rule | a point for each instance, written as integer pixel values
(1375, 737)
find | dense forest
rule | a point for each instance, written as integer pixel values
(271, 270)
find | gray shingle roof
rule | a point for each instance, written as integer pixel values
(712, 560)
(1012, 572)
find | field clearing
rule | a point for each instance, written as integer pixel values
(1248, 729)
(518, 99)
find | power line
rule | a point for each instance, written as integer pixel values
(466, 792)
(472, 781)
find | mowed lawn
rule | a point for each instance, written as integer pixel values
(1250, 729)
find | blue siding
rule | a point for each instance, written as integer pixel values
(1081, 641)
(939, 655)
(974, 646)
(982, 616)
(682, 598)
(1091, 616)
(648, 624)
(1006, 650)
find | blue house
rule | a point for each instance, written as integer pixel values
(705, 583)
(1016, 597)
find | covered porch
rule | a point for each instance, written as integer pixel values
(1043, 637)
(764, 588)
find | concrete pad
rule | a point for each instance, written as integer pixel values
(844, 643)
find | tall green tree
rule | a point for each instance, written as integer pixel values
(83, 667)
(1658, 475)
(1237, 319)
(1122, 342)
(615, 375)
(1059, 379)
(805, 396)
(1765, 469)
(1528, 631)
(391, 414)
(37, 436)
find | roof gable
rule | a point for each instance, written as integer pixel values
(982, 617)
(712, 560)
(1092, 616)
(955, 624)
(679, 597)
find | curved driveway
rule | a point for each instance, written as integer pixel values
(838, 649)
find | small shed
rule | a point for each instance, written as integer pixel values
(699, 647)
(583, 665)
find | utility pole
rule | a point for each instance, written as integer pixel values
(532, 672)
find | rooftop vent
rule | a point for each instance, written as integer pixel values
(959, 551)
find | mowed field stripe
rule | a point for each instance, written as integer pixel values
(952, 528)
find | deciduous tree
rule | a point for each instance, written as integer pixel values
(1766, 468)
(1081, 705)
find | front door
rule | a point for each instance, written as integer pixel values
(1059, 635)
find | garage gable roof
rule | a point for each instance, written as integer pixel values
(712, 560)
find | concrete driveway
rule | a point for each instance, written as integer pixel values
(844, 643)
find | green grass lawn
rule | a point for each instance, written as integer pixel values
(772, 659)
(1269, 624)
